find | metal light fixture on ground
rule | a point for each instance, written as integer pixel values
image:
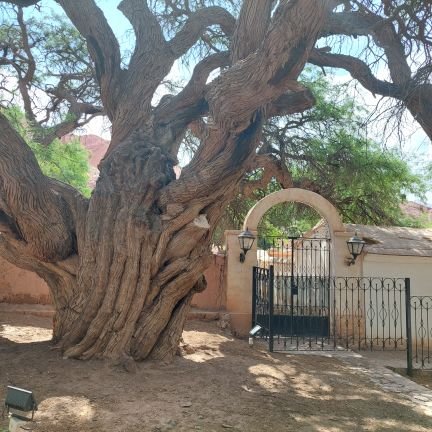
(246, 240)
(355, 246)
(21, 400)
(254, 332)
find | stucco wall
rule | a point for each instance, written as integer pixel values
(213, 298)
(418, 269)
(21, 286)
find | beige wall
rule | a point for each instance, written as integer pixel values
(239, 284)
(213, 298)
(418, 269)
(21, 286)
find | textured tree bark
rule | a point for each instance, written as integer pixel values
(138, 267)
(38, 215)
(126, 290)
(123, 265)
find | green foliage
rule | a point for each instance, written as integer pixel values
(366, 184)
(364, 181)
(288, 219)
(422, 221)
(67, 162)
(326, 151)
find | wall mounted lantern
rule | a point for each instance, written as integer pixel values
(246, 240)
(355, 246)
(21, 400)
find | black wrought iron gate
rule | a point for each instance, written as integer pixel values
(299, 305)
(291, 295)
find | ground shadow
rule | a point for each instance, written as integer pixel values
(221, 384)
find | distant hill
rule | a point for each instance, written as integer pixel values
(416, 210)
(97, 148)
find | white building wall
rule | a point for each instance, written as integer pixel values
(418, 269)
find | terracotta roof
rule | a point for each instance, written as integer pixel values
(395, 240)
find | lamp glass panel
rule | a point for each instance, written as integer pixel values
(247, 243)
(246, 239)
(355, 246)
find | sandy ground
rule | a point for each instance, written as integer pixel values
(221, 385)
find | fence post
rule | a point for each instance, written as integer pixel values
(254, 294)
(408, 326)
(271, 301)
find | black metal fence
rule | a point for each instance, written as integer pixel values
(421, 323)
(314, 312)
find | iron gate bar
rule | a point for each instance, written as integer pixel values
(408, 326)
(271, 305)
(299, 302)
(421, 308)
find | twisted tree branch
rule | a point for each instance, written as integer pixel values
(103, 47)
(274, 68)
(40, 215)
(195, 26)
(416, 98)
(272, 167)
(381, 30)
(148, 32)
(251, 28)
(177, 112)
(358, 69)
(291, 103)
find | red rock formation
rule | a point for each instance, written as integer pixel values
(97, 148)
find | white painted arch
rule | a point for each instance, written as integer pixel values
(324, 207)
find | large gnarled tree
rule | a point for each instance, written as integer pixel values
(123, 265)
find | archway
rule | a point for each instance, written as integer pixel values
(324, 207)
(240, 276)
(294, 195)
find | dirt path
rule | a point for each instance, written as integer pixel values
(221, 385)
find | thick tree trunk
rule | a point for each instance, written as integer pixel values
(140, 246)
(138, 266)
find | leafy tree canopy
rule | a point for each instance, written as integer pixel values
(64, 161)
(326, 151)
